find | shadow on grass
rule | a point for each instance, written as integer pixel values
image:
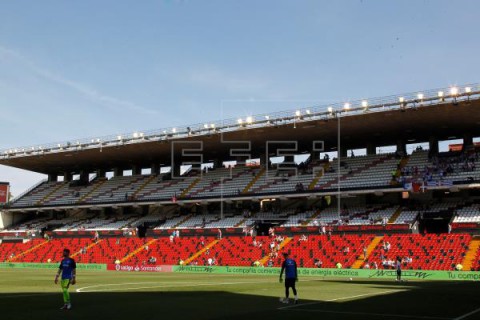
(418, 300)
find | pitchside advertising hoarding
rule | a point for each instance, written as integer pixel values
(346, 274)
(4, 192)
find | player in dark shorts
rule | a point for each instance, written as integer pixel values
(398, 267)
(291, 276)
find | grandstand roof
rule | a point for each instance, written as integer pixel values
(383, 122)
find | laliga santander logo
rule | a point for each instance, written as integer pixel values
(118, 267)
(137, 268)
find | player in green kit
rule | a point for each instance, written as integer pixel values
(68, 271)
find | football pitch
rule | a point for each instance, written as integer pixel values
(31, 294)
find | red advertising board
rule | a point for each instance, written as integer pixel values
(4, 191)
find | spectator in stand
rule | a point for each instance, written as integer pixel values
(364, 253)
(219, 234)
(318, 263)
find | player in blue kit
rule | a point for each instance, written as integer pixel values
(291, 276)
(68, 271)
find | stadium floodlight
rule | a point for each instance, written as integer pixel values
(240, 121)
(308, 111)
(140, 135)
(119, 138)
(330, 109)
(298, 113)
(135, 135)
(402, 103)
(468, 89)
(212, 126)
(205, 126)
(267, 117)
(365, 103)
(441, 96)
(346, 106)
(454, 91)
(249, 119)
(174, 130)
(59, 145)
(420, 96)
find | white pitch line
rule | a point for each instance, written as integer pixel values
(337, 299)
(466, 315)
(373, 314)
(172, 285)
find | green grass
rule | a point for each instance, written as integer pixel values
(31, 294)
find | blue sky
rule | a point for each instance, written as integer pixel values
(73, 69)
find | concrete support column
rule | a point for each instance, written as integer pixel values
(117, 172)
(290, 159)
(101, 173)
(467, 140)
(314, 155)
(52, 177)
(401, 147)
(67, 176)
(371, 149)
(176, 170)
(155, 168)
(84, 176)
(136, 170)
(344, 152)
(433, 145)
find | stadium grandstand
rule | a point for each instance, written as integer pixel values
(349, 185)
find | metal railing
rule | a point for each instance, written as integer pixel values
(417, 99)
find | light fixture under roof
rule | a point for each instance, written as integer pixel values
(440, 94)
(453, 91)
(249, 119)
(239, 121)
(298, 113)
(420, 96)
(468, 89)
(330, 109)
(364, 103)
(346, 106)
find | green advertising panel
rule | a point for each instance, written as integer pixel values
(338, 273)
(24, 265)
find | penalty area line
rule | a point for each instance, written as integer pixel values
(171, 285)
(338, 299)
(466, 315)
